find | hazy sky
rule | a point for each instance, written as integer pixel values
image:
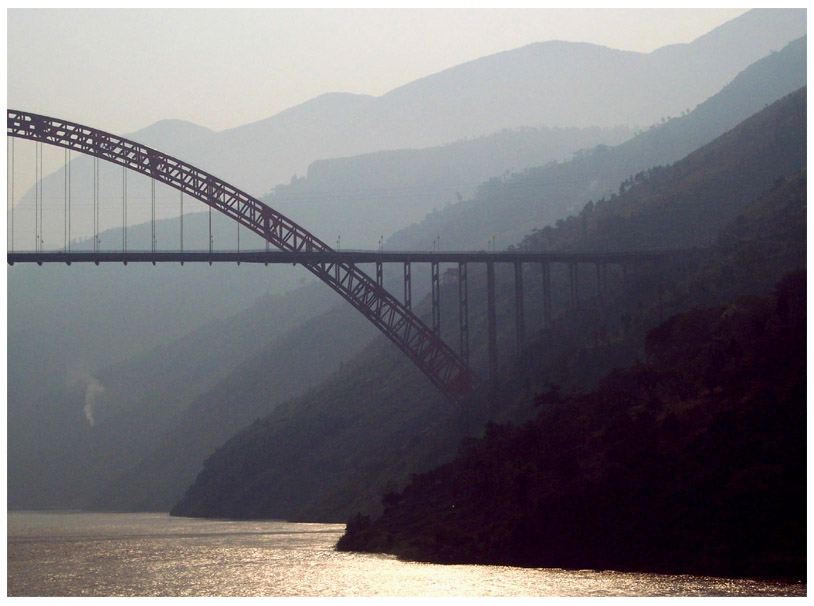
(121, 70)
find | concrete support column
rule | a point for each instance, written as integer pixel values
(519, 311)
(546, 292)
(408, 289)
(436, 299)
(463, 311)
(491, 320)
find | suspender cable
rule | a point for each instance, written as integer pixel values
(95, 204)
(182, 220)
(95, 166)
(42, 200)
(36, 197)
(10, 199)
(12, 194)
(124, 209)
(65, 192)
(209, 191)
(124, 222)
(152, 183)
(69, 200)
(98, 208)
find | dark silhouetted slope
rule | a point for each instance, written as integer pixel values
(691, 462)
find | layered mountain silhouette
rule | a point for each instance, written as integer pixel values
(504, 207)
(266, 154)
(551, 84)
(716, 114)
(544, 84)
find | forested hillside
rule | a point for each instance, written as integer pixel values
(753, 85)
(672, 204)
(692, 461)
(287, 466)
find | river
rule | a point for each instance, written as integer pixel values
(93, 554)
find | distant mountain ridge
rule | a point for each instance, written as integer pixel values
(553, 84)
(544, 84)
(504, 208)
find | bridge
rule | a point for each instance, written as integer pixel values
(447, 369)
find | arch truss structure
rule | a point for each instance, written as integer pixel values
(423, 347)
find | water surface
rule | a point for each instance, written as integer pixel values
(92, 554)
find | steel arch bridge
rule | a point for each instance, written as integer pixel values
(423, 346)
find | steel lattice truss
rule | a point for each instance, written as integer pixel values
(426, 350)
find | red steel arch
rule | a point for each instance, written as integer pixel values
(424, 348)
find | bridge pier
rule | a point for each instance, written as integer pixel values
(408, 288)
(572, 279)
(519, 311)
(546, 292)
(436, 299)
(463, 311)
(491, 320)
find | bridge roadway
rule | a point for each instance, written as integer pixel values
(348, 256)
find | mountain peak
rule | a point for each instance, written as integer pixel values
(170, 135)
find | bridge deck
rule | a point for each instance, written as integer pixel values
(349, 256)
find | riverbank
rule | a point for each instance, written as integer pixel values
(692, 462)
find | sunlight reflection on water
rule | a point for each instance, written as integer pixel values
(80, 554)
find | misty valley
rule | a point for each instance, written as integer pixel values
(540, 331)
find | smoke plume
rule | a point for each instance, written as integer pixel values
(78, 375)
